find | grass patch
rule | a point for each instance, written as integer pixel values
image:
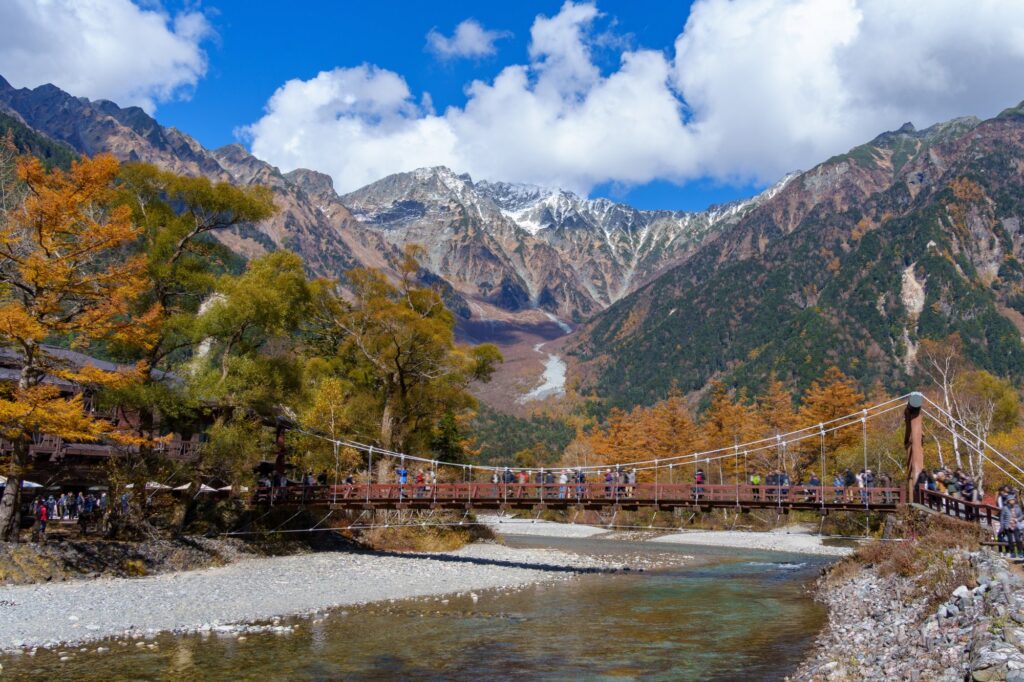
(134, 568)
(425, 538)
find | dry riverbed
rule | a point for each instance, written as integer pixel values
(254, 589)
(792, 539)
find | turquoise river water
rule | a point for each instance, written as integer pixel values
(726, 615)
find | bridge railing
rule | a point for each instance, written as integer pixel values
(590, 492)
(957, 507)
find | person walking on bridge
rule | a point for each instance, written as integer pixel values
(698, 484)
(815, 487)
(402, 474)
(849, 482)
(1011, 522)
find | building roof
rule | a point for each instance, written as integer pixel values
(11, 361)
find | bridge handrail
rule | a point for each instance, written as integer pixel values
(589, 492)
(957, 506)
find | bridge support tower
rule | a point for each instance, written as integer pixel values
(913, 441)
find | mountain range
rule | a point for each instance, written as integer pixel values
(913, 235)
(916, 234)
(498, 245)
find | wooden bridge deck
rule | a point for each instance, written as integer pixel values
(662, 496)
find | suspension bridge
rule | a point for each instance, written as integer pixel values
(652, 482)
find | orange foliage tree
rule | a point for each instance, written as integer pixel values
(646, 433)
(778, 416)
(832, 396)
(65, 273)
(728, 422)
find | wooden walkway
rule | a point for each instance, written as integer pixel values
(468, 496)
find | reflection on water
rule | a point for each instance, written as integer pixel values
(730, 618)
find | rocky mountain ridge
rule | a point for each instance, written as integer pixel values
(914, 235)
(522, 246)
(500, 248)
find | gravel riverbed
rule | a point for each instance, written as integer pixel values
(508, 525)
(771, 541)
(258, 589)
(793, 539)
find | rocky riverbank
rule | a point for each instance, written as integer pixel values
(263, 588)
(918, 627)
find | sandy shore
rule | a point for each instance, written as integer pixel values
(45, 615)
(795, 539)
(772, 541)
(507, 525)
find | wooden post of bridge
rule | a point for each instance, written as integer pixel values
(913, 441)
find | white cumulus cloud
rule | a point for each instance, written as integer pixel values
(469, 40)
(750, 90)
(103, 49)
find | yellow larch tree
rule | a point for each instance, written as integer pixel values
(727, 422)
(832, 396)
(66, 273)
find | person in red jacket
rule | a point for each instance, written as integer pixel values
(42, 516)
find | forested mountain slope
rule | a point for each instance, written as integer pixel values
(914, 235)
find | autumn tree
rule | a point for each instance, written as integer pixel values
(775, 407)
(248, 360)
(977, 404)
(985, 405)
(728, 422)
(940, 363)
(330, 411)
(396, 344)
(667, 429)
(661, 431)
(619, 438)
(179, 217)
(65, 273)
(832, 396)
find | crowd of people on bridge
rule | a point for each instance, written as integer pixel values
(954, 483)
(846, 485)
(611, 483)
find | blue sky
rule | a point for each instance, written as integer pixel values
(262, 45)
(662, 105)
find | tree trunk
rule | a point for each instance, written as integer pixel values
(10, 503)
(387, 419)
(281, 445)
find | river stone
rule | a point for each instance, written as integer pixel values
(990, 674)
(1014, 636)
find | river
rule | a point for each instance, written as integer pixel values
(725, 615)
(552, 380)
